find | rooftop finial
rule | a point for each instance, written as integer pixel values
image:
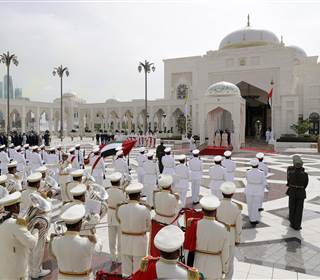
(248, 20)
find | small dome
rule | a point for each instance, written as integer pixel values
(111, 100)
(298, 50)
(223, 88)
(69, 94)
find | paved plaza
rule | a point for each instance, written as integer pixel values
(271, 250)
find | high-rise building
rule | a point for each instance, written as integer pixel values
(18, 93)
(1, 90)
(10, 87)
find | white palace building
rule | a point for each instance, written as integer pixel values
(222, 89)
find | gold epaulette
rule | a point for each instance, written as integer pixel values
(144, 264)
(44, 195)
(145, 204)
(193, 273)
(238, 204)
(21, 222)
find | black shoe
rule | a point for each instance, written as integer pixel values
(194, 203)
(260, 209)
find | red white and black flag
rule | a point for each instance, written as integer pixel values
(270, 97)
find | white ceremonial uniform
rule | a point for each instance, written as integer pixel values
(98, 169)
(16, 243)
(141, 158)
(64, 178)
(182, 182)
(230, 167)
(21, 162)
(195, 166)
(229, 214)
(53, 164)
(256, 182)
(79, 155)
(121, 165)
(11, 153)
(25, 199)
(218, 175)
(74, 255)
(169, 269)
(263, 167)
(166, 206)
(3, 192)
(4, 160)
(27, 155)
(213, 241)
(35, 161)
(74, 162)
(43, 155)
(168, 165)
(151, 171)
(116, 196)
(66, 196)
(135, 221)
(17, 181)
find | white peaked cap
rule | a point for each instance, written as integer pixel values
(169, 239)
(119, 153)
(71, 150)
(77, 145)
(217, 158)
(209, 202)
(115, 177)
(42, 146)
(2, 146)
(73, 214)
(181, 157)
(42, 169)
(195, 152)
(34, 177)
(3, 179)
(35, 148)
(10, 199)
(18, 148)
(142, 149)
(254, 162)
(228, 187)
(227, 153)
(12, 164)
(165, 181)
(52, 149)
(167, 150)
(59, 146)
(26, 146)
(11, 145)
(260, 155)
(39, 202)
(150, 154)
(79, 189)
(134, 188)
(77, 173)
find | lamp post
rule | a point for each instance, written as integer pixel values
(147, 67)
(7, 58)
(60, 70)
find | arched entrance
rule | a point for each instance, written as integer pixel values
(258, 111)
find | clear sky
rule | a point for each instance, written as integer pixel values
(102, 42)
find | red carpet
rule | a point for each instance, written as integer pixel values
(213, 151)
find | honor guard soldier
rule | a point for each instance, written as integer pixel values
(229, 165)
(11, 151)
(229, 213)
(168, 162)
(64, 170)
(141, 158)
(169, 241)
(3, 188)
(134, 218)
(35, 159)
(218, 175)
(209, 239)
(75, 164)
(59, 152)
(76, 179)
(27, 152)
(16, 240)
(14, 179)
(120, 165)
(166, 203)
(98, 167)
(182, 175)
(21, 161)
(53, 162)
(43, 153)
(4, 160)
(263, 167)
(116, 196)
(256, 182)
(195, 166)
(79, 155)
(151, 172)
(72, 251)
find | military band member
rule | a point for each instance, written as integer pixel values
(256, 182)
(169, 241)
(35, 159)
(75, 164)
(79, 155)
(13, 178)
(210, 241)
(263, 167)
(168, 162)
(166, 203)
(27, 152)
(21, 161)
(53, 162)
(64, 177)
(218, 175)
(195, 166)
(98, 167)
(59, 152)
(4, 160)
(76, 179)
(151, 172)
(16, 240)
(121, 165)
(134, 218)
(43, 153)
(141, 158)
(72, 251)
(182, 175)
(229, 165)
(11, 151)
(297, 181)
(229, 213)
(116, 196)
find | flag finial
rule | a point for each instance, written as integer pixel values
(248, 20)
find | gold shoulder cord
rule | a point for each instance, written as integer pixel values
(21, 222)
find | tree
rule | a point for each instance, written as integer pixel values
(301, 127)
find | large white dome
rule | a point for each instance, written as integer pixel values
(248, 37)
(223, 88)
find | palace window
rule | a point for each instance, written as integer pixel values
(314, 119)
(182, 91)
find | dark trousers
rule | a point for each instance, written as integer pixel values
(160, 166)
(295, 211)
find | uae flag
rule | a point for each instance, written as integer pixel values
(270, 97)
(112, 148)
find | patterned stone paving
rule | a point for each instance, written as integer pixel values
(307, 214)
